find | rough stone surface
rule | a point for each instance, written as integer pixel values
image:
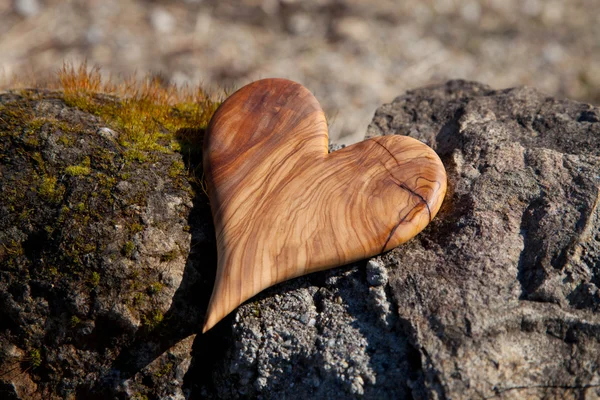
(497, 298)
(98, 286)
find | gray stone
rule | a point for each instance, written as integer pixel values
(377, 274)
(27, 8)
(91, 266)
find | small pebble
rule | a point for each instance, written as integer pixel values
(376, 273)
(27, 8)
(107, 133)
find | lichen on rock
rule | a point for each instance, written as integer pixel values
(95, 242)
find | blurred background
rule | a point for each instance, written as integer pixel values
(353, 55)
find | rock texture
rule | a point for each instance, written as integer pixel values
(497, 298)
(96, 271)
(106, 266)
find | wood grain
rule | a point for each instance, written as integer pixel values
(283, 207)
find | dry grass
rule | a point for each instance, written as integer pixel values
(149, 114)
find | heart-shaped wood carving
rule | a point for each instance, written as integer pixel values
(284, 207)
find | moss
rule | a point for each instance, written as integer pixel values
(155, 288)
(169, 256)
(31, 141)
(94, 279)
(256, 309)
(135, 228)
(153, 319)
(25, 214)
(74, 321)
(49, 230)
(79, 170)
(128, 248)
(13, 248)
(65, 140)
(50, 190)
(35, 358)
(150, 116)
(136, 155)
(165, 370)
(139, 299)
(175, 146)
(106, 181)
(176, 168)
(36, 123)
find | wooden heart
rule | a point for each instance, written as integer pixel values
(284, 207)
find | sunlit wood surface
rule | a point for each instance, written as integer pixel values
(283, 207)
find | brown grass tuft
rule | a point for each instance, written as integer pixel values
(149, 114)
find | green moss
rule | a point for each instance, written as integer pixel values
(49, 189)
(135, 228)
(176, 168)
(128, 248)
(256, 309)
(35, 358)
(77, 170)
(13, 248)
(175, 146)
(149, 115)
(165, 370)
(153, 319)
(49, 229)
(36, 123)
(74, 321)
(95, 279)
(136, 155)
(169, 256)
(139, 299)
(25, 214)
(31, 141)
(65, 140)
(37, 157)
(155, 288)
(106, 181)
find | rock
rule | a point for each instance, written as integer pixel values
(162, 20)
(27, 8)
(498, 297)
(93, 250)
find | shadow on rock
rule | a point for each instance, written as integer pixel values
(185, 316)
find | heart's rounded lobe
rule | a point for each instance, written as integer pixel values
(283, 207)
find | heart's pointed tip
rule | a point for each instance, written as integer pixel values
(209, 323)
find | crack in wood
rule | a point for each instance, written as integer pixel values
(402, 185)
